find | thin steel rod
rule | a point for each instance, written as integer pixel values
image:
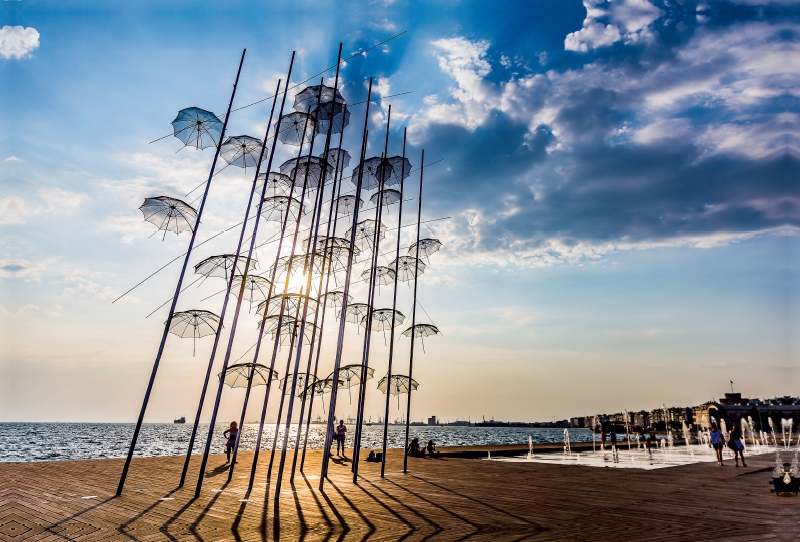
(394, 308)
(139, 422)
(214, 350)
(285, 290)
(309, 263)
(331, 232)
(346, 291)
(362, 388)
(237, 310)
(413, 322)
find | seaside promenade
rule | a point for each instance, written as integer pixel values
(440, 499)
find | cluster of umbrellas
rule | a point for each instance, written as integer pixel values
(291, 294)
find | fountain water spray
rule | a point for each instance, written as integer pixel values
(786, 432)
(530, 448)
(567, 449)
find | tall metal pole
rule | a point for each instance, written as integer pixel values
(238, 308)
(413, 317)
(362, 388)
(178, 289)
(309, 262)
(300, 298)
(394, 308)
(281, 313)
(346, 291)
(312, 249)
(331, 232)
(218, 334)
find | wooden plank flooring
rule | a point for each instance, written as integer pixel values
(440, 499)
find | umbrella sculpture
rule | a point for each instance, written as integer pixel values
(399, 164)
(333, 299)
(169, 214)
(277, 182)
(383, 275)
(222, 266)
(347, 204)
(292, 329)
(365, 233)
(426, 247)
(408, 267)
(382, 319)
(399, 385)
(276, 208)
(375, 168)
(296, 129)
(237, 375)
(319, 388)
(290, 305)
(194, 324)
(340, 156)
(387, 197)
(256, 287)
(332, 116)
(308, 169)
(271, 322)
(197, 128)
(356, 312)
(304, 380)
(350, 375)
(243, 151)
(422, 331)
(310, 98)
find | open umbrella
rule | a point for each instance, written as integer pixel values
(408, 267)
(293, 126)
(222, 266)
(243, 151)
(237, 375)
(194, 323)
(256, 288)
(304, 380)
(426, 247)
(397, 385)
(197, 128)
(350, 375)
(422, 331)
(169, 214)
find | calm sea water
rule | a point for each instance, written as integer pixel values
(65, 441)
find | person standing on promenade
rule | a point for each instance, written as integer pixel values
(231, 433)
(736, 444)
(341, 434)
(717, 442)
(614, 456)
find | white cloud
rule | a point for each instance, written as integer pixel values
(17, 41)
(18, 268)
(12, 158)
(607, 23)
(127, 239)
(662, 129)
(383, 86)
(16, 210)
(17, 311)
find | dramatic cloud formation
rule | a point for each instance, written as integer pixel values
(17, 41)
(685, 135)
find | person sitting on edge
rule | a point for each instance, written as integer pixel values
(231, 433)
(341, 434)
(371, 458)
(431, 449)
(717, 442)
(413, 448)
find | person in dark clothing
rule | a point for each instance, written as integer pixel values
(413, 449)
(735, 442)
(341, 434)
(231, 433)
(430, 447)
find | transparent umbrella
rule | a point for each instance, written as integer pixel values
(350, 375)
(237, 375)
(243, 151)
(397, 385)
(197, 128)
(169, 214)
(408, 267)
(194, 323)
(222, 266)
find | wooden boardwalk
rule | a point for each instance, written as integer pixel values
(440, 499)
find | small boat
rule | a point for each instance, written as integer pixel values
(182, 419)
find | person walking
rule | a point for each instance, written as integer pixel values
(341, 434)
(736, 443)
(717, 442)
(231, 433)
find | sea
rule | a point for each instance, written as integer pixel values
(69, 441)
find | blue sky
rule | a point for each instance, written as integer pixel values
(621, 178)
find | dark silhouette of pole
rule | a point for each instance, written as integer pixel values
(413, 316)
(177, 289)
(218, 334)
(308, 263)
(346, 291)
(362, 388)
(238, 308)
(311, 248)
(394, 308)
(331, 232)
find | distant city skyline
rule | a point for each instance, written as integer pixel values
(617, 186)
